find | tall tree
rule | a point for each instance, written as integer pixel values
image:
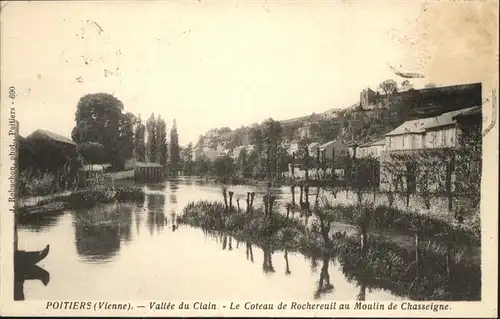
(174, 148)
(126, 135)
(187, 159)
(152, 149)
(99, 118)
(272, 137)
(389, 87)
(406, 85)
(140, 140)
(242, 164)
(161, 141)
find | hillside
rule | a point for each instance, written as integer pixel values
(374, 115)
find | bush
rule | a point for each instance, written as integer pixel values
(38, 184)
(90, 197)
(392, 218)
(126, 194)
(213, 216)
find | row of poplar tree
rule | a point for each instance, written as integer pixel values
(150, 142)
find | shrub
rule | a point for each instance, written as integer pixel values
(392, 218)
(38, 184)
(126, 194)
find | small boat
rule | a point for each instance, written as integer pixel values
(25, 259)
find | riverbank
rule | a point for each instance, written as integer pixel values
(80, 198)
(419, 272)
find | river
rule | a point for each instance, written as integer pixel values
(130, 251)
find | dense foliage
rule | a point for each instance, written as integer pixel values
(100, 119)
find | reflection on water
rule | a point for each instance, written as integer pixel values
(99, 231)
(267, 263)
(155, 203)
(324, 285)
(39, 224)
(249, 251)
(96, 252)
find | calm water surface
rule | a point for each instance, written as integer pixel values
(126, 251)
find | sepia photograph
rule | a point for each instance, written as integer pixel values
(255, 158)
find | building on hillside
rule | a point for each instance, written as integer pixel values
(373, 148)
(235, 154)
(313, 149)
(426, 102)
(435, 137)
(210, 153)
(367, 97)
(209, 137)
(337, 146)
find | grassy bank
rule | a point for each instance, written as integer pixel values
(84, 198)
(423, 272)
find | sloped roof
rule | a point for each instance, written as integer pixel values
(143, 164)
(421, 125)
(471, 111)
(327, 144)
(95, 167)
(44, 134)
(376, 142)
(313, 144)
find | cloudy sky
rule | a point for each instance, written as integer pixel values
(212, 64)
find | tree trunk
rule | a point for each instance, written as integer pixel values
(248, 202)
(417, 255)
(224, 194)
(266, 203)
(231, 200)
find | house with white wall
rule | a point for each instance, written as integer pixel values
(437, 134)
(373, 148)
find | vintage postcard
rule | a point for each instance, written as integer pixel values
(249, 158)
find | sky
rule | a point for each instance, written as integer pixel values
(211, 64)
